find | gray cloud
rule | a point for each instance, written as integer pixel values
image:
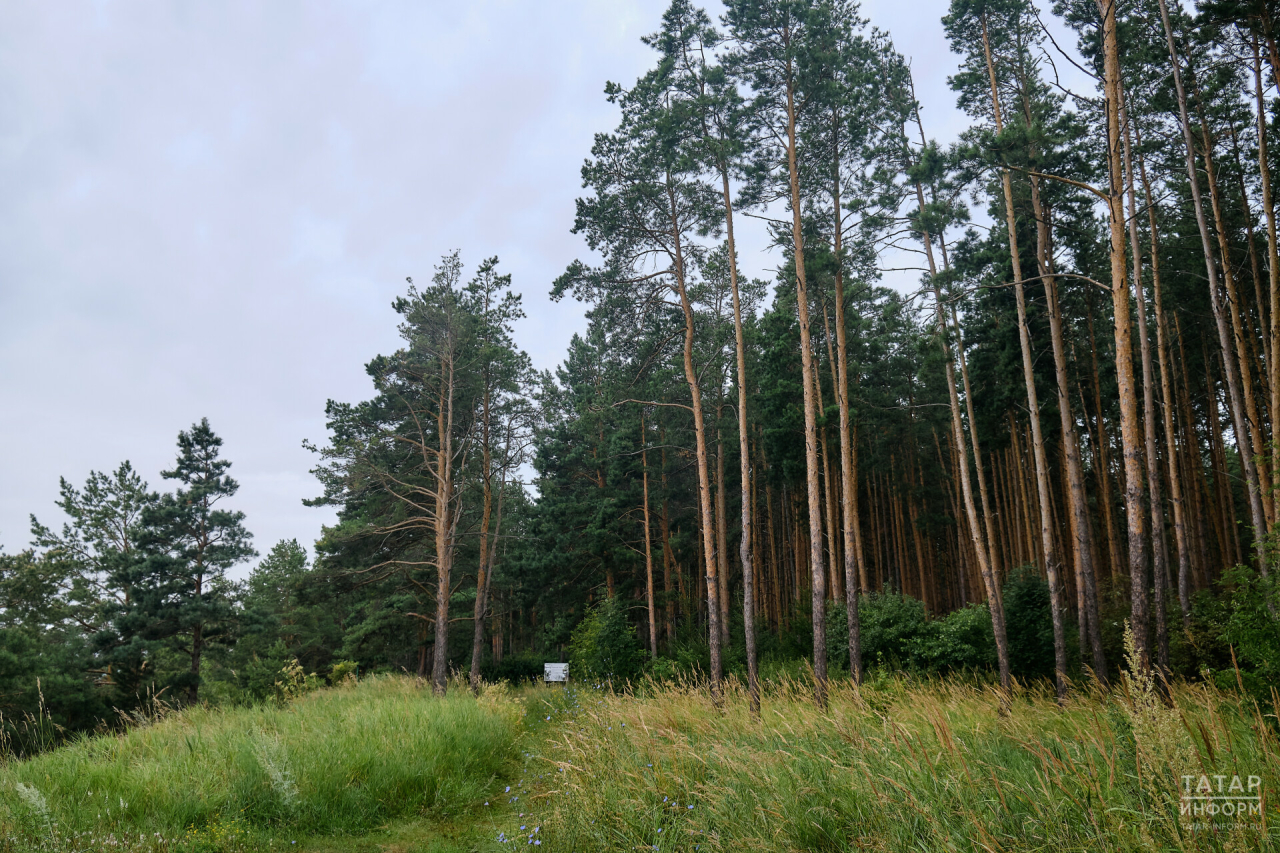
(208, 208)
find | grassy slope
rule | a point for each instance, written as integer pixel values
(341, 761)
(385, 767)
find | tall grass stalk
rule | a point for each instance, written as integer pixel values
(906, 766)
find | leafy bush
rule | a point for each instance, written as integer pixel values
(343, 670)
(1250, 628)
(1028, 623)
(897, 632)
(604, 647)
(961, 640)
(516, 669)
(892, 625)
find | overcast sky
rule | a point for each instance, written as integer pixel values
(206, 210)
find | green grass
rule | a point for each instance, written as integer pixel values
(341, 761)
(898, 765)
(903, 766)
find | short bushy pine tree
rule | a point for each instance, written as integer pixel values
(180, 595)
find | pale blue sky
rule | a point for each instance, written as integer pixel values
(207, 208)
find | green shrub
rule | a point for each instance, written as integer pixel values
(604, 647)
(1028, 623)
(43, 693)
(343, 670)
(516, 669)
(892, 626)
(961, 640)
(1251, 629)
(897, 632)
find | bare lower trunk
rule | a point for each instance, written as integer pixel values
(440, 656)
(1273, 263)
(722, 548)
(1159, 561)
(482, 569)
(1234, 393)
(1130, 432)
(1170, 437)
(1103, 464)
(668, 556)
(444, 530)
(197, 651)
(976, 529)
(706, 511)
(648, 545)
(808, 379)
(1255, 476)
(853, 563)
(1082, 551)
(1037, 438)
(988, 517)
(705, 503)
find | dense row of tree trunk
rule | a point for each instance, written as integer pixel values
(1003, 416)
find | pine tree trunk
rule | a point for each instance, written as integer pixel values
(1273, 260)
(668, 556)
(706, 511)
(808, 380)
(648, 545)
(1171, 446)
(744, 547)
(854, 566)
(975, 526)
(1220, 320)
(1159, 560)
(1037, 439)
(828, 506)
(482, 566)
(1130, 433)
(445, 525)
(722, 550)
(197, 651)
(1256, 336)
(1103, 463)
(1256, 478)
(1082, 554)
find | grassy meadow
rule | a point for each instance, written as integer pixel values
(899, 765)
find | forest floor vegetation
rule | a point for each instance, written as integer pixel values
(902, 763)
